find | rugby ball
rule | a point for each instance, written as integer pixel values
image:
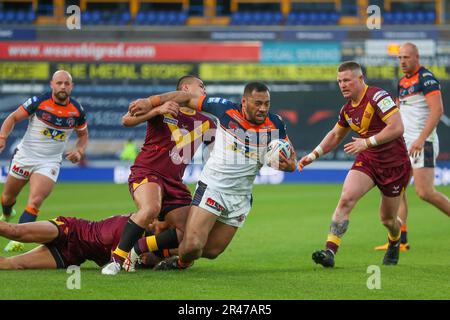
(275, 148)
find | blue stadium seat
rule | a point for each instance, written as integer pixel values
(21, 17)
(161, 18)
(96, 17)
(313, 18)
(236, 18)
(388, 18)
(323, 18)
(334, 17)
(10, 17)
(151, 18)
(125, 18)
(398, 18)
(291, 18)
(246, 18)
(304, 18)
(419, 17)
(409, 18)
(430, 17)
(86, 17)
(140, 18)
(182, 17)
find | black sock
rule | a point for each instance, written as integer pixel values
(131, 233)
(7, 208)
(167, 239)
(404, 237)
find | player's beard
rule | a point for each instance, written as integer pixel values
(62, 95)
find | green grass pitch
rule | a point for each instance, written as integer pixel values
(270, 257)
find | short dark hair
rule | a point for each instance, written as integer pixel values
(349, 65)
(185, 79)
(255, 86)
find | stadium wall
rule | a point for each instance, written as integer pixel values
(319, 172)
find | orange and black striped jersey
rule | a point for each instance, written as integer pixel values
(239, 148)
(412, 90)
(49, 128)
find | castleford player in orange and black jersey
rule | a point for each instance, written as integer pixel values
(52, 118)
(223, 197)
(381, 159)
(421, 107)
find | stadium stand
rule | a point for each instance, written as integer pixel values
(221, 12)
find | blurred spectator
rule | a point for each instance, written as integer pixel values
(130, 151)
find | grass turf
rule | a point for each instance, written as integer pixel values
(270, 258)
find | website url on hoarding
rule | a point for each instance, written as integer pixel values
(82, 51)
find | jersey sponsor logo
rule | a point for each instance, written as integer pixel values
(54, 134)
(233, 125)
(379, 95)
(46, 116)
(170, 121)
(386, 104)
(70, 122)
(430, 82)
(50, 109)
(427, 74)
(27, 103)
(217, 100)
(243, 149)
(213, 204)
(19, 171)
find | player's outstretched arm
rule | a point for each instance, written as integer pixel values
(331, 141)
(142, 106)
(9, 123)
(168, 107)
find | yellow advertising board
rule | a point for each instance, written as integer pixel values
(24, 70)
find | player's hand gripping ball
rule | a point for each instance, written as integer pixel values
(275, 148)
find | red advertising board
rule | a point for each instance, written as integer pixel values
(131, 51)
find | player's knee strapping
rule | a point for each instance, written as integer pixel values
(29, 215)
(167, 239)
